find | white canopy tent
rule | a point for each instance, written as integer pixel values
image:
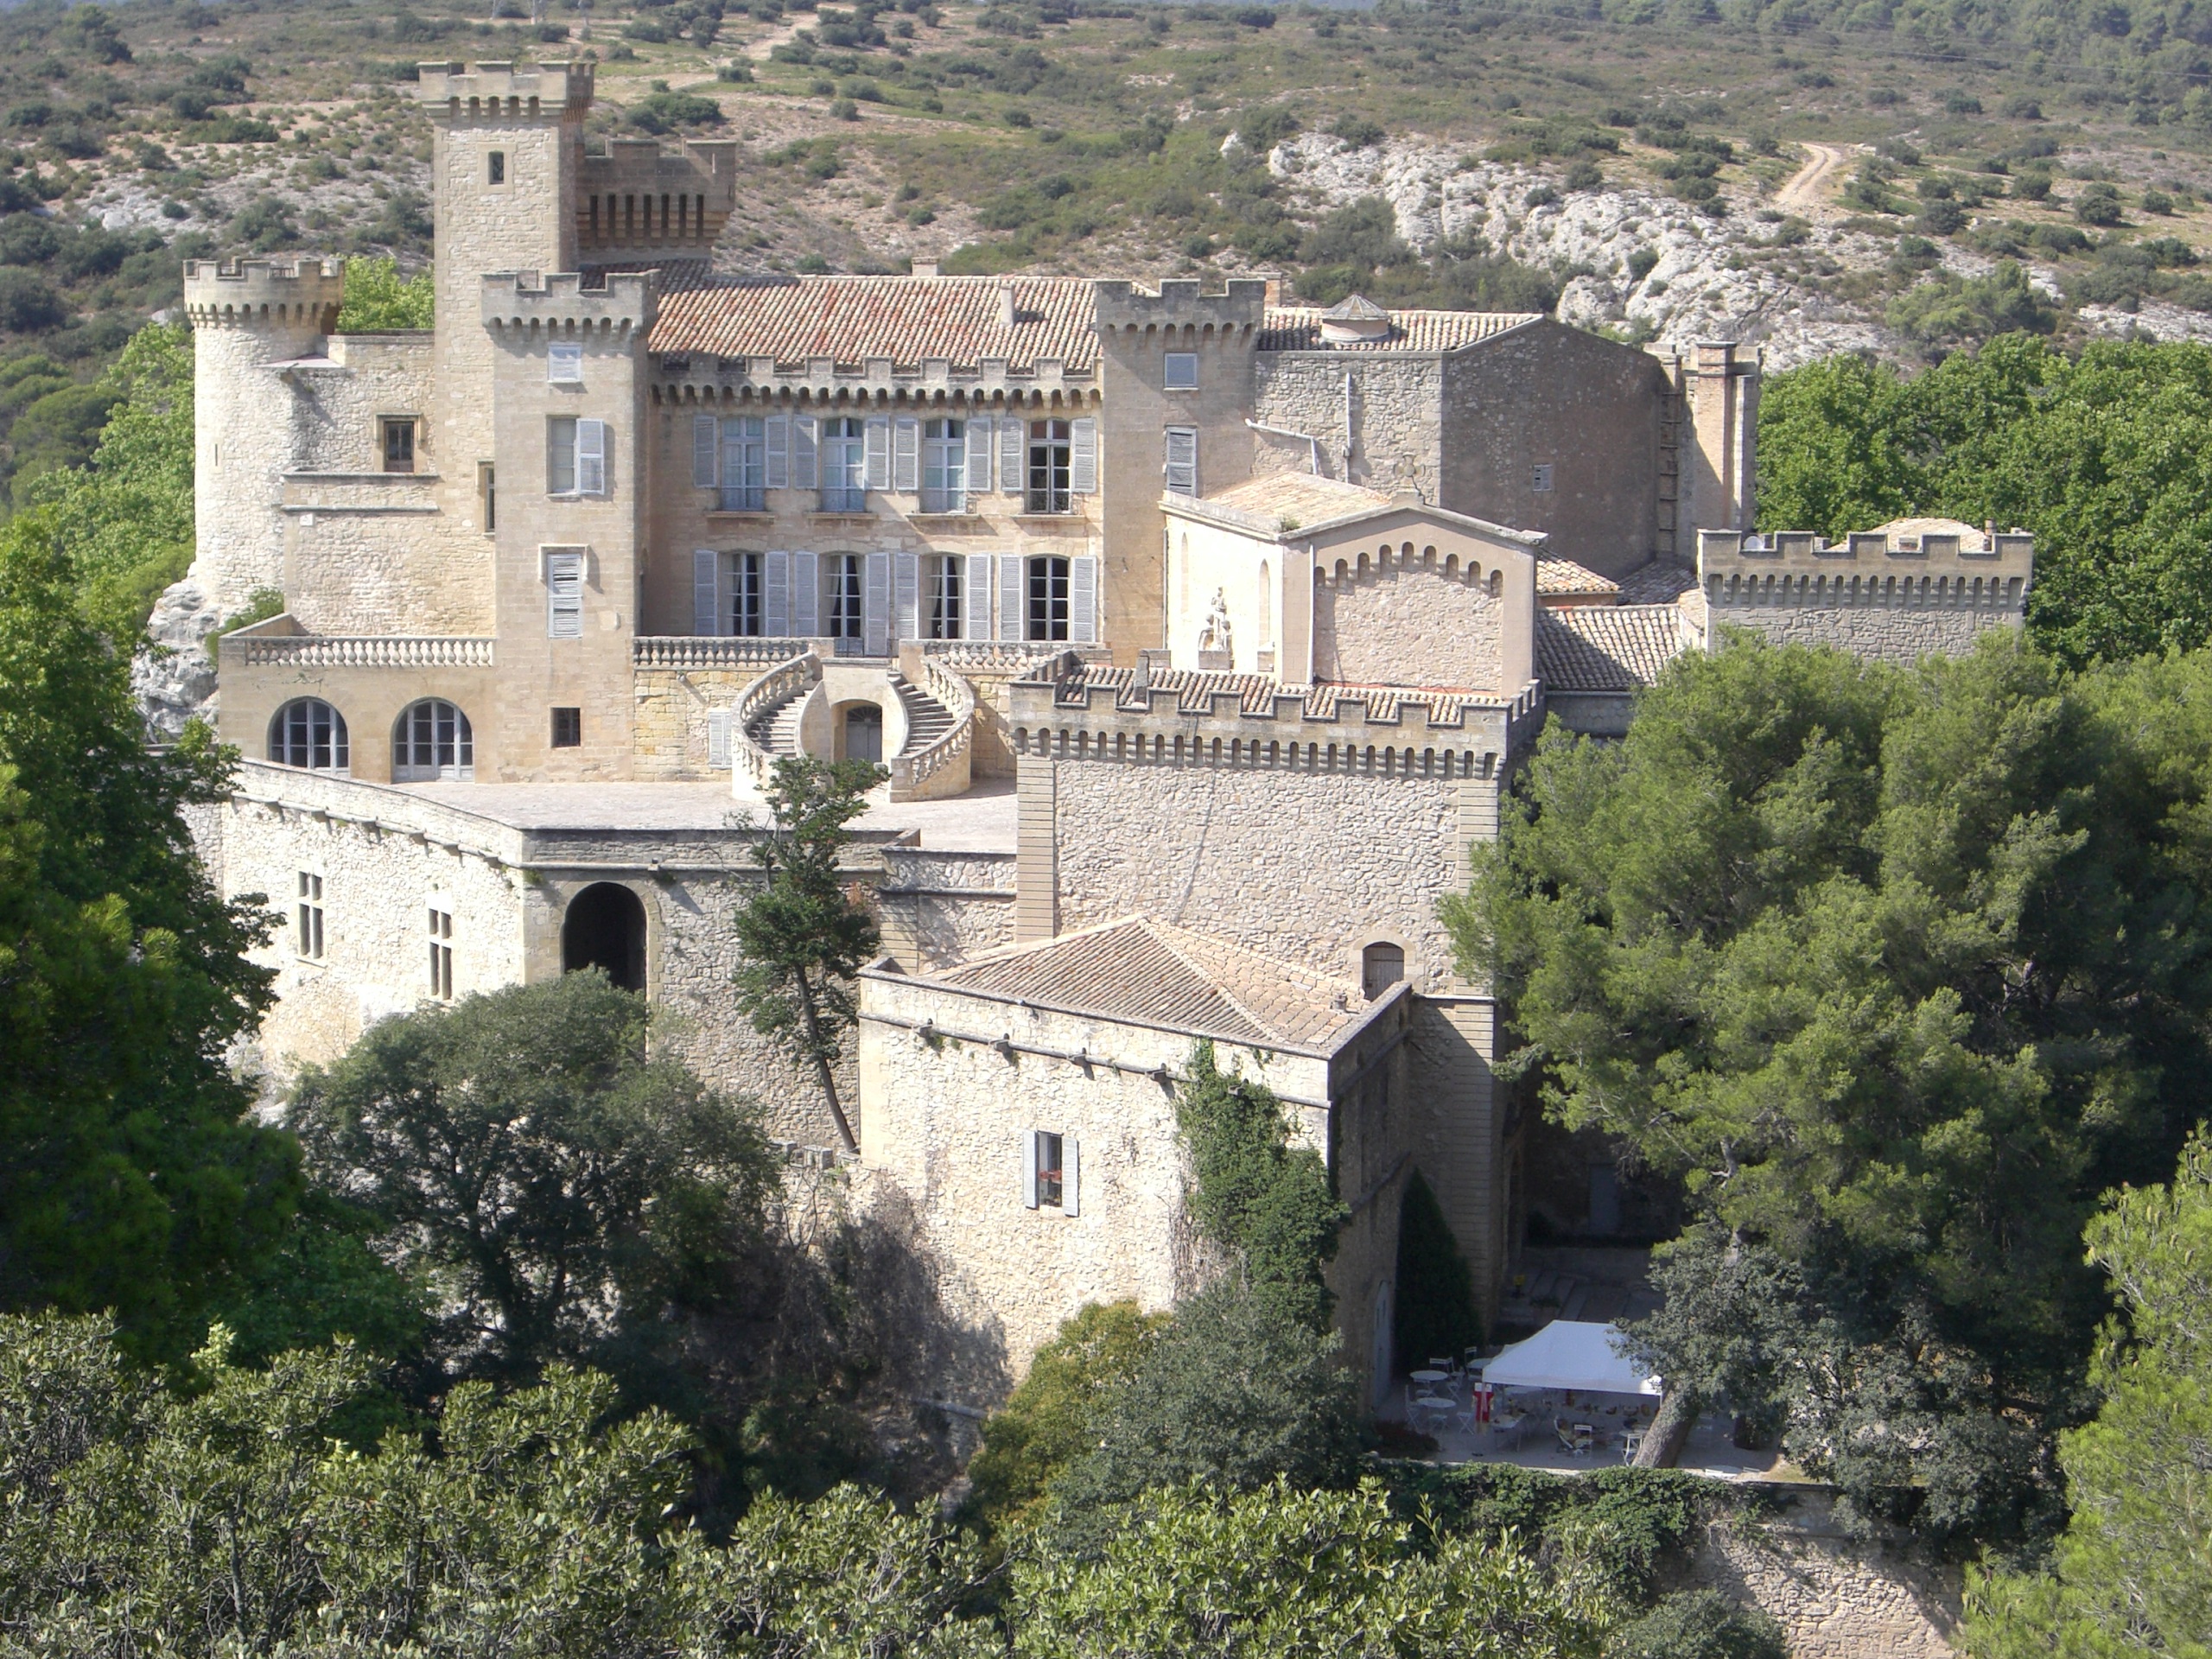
(1570, 1354)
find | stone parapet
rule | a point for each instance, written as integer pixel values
(1182, 306)
(708, 383)
(328, 650)
(304, 293)
(1954, 569)
(622, 302)
(709, 651)
(483, 89)
(640, 199)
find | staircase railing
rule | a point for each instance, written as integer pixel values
(913, 775)
(792, 678)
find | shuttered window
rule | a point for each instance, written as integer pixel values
(564, 595)
(1182, 467)
(706, 441)
(1083, 473)
(978, 432)
(879, 453)
(1051, 1177)
(907, 455)
(706, 591)
(591, 457)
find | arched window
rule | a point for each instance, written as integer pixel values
(432, 743)
(1381, 966)
(1267, 609)
(1497, 584)
(308, 732)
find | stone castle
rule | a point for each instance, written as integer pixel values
(1200, 633)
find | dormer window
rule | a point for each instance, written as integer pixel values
(495, 167)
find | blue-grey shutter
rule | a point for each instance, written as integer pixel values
(775, 595)
(803, 431)
(908, 583)
(979, 454)
(907, 455)
(706, 439)
(1082, 459)
(1029, 1168)
(976, 598)
(1014, 597)
(1083, 601)
(1071, 1177)
(1012, 431)
(591, 457)
(1182, 469)
(875, 452)
(706, 591)
(718, 738)
(806, 597)
(564, 595)
(876, 604)
(779, 452)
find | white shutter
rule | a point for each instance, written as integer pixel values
(806, 598)
(1011, 431)
(875, 450)
(976, 598)
(803, 429)
(1082, 461)
(706, 591)
(775, 589)
(1029, 1168)
(779, 452)
(718, 738)
(876, 604)
(1071, 1177)
(979, 454)
(1083, 601)
(909, 580)
(1182, 460)
(591, 457)
(706, 439)
(906, 456)
(564, 596)
(564, 363)
(1014, 597)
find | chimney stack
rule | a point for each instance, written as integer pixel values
(924, 267)
(1005, 305)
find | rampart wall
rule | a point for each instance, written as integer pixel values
(1868, 595)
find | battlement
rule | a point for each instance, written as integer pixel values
(641, 197)
(1920, 561)
(1181, 304)
(490, 90)
(619, 301)
(303, 293)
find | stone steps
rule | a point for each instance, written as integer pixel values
(927, 720)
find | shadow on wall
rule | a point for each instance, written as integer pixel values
(605, 927)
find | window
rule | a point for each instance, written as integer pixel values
(564, 595)
(568, 728)
(399, 444)
(441, 954)
(564, 363)
(1048, 599)
(745, 617)
(944, 471)
(843, 462)
(1051, 461)
(575, 456)
(1182, 469)
(489, 491)
(495, 167)
(308, 732)
(944, 595)
(1182, 371)
(1381, 966)
(845, 596)
(1540, 477)
(745, 466)
(1052, 1178)
(307, 927)
(432, 742)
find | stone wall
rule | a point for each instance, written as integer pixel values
(1378, 419)
(1408, 625)
(1894, 633)
(1835, 1597)
(935, 909)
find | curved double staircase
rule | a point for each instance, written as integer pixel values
(940, 714)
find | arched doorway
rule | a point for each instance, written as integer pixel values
(605, 927)
(863, 732)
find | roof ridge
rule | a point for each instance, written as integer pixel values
(1158, 930)
(1171, 935)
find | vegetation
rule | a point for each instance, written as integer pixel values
(1435, 1288)
(1898, 972)
(377, 297)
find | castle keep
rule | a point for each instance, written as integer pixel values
(1200, 633)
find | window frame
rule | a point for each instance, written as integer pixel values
(441, 931)
(841, 463)
(748, 584)
(1169, 380)
(848, 596)
(406, 428)
(568, 728)
(1042, 607)
(945, 457)
(947, 596)
(456, 740)
(334, 741)
(742, 463)
(1048, 469)
(564, 354)
(570, 456)
(307, 934)
(496, 172)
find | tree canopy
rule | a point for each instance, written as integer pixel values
(1898, 971)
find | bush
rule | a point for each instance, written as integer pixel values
(1642, 263)
(1357, 132)
(2098, 205)
(2158, 202)
(665, 112)
(1940, 217)
(1052, 1420)
(1699, 1624)
(1961, 103)
(1584, 175)
(27, 305)
(1436, 1287)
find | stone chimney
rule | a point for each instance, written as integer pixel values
(1005, 305)
(924, 267)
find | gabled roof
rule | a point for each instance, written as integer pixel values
(850, 319)
(1656, 581)
(1558, 578)
(1605, 647)
(1298, 328)
(1146, 971)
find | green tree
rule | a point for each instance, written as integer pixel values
(377, 298)
(1699, 1624)
(1435, 1308)
(803, 940)
(1898, 971)
(133, 1180)
(2133, 1574)
(565, 1194)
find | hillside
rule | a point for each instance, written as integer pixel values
(1898, 180)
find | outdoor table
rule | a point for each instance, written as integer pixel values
(1430, 1376)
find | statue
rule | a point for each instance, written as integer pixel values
(1214, 649)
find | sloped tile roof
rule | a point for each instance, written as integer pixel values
(1195, 688)
(1298, 328)
(1563, 577)
(1656, 581)
(849, 319)
(1147, 971)
(1303, 496)
(1605, 647)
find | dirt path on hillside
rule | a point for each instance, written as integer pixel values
(1811, 186)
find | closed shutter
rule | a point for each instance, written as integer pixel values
(875, 450)
(591, 457)
(1182, 460)
(803, 432)
(1071, 1177)
(775, 595)
(909, 581)
(1012, 465)
(976, 598)
(706, 439)
(876, 604)
(718, 738)
(906, 456)
(1014, 597)
(979, 454)
(564, 595)
(1082, 461)
(1083, 601)
(706, 591)
(779, 452)
(1029, 1168)
(806, 600)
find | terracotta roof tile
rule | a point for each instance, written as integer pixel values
(1302, 496)
(849, 319)
(1293, 328)
(1656, 581)
(1147, 971)
(1606, 647)
(1556, 577)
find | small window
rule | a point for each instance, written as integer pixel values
(575, 456)
(495, 167)
(1182, 371)
(1540, 477)
(486, 488)
(1182, 467)
(564, 595)
(568, 728)
(441, 954)
(1052, 1179)
(1381, 966)
(433, 742)
(399, 445)
(307, 930)
(308, 732)
(564, 363)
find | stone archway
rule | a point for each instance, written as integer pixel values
(605, 927)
